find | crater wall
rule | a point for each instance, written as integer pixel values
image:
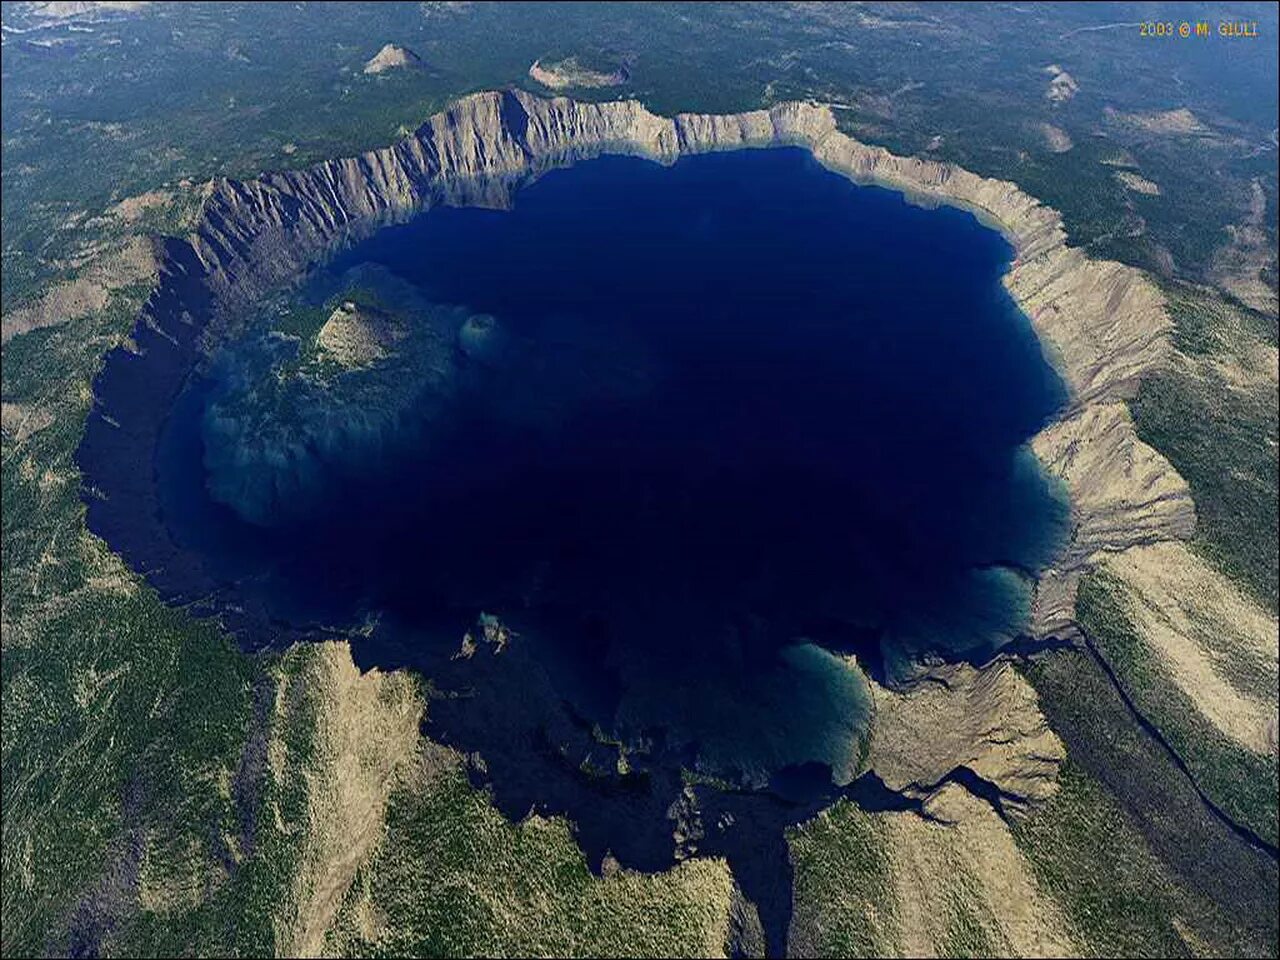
(1102, 324)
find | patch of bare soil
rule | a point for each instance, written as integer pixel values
(1138, 184)
(366, 735)
(133, 262)
(1238, 266)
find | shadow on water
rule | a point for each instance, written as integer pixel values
(686, 439)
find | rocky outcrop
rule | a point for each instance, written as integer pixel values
(955, 717)
(569, 73)
(1124, 494)
(392, 57)
(1062, 86)
(357, 336)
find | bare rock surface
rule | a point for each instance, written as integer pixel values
(934, 860)
(1239, 264)
(59, 10)
(987, 721)
(356, 336)
(1124, 495)
(568, 73)
(392, 57)
(1209, 636)
(1062, 86)
(367, 732)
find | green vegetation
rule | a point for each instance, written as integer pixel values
(454, 877)
(844, 896)
(235, 907)
(208, 90)
(1205, 325)
(137, 712)
(1244, 784)
(136, 819)
(1221, 436)
(301, 321)
(856, 873)
(1088, 856)
(1139, 865)
(969, 924)
(323, 389)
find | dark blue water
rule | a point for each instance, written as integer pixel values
(742, 418)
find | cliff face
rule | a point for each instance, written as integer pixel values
(956, 717)
(258, 234)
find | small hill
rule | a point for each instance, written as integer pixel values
(358, 336)
(1062, 86)
(391, 57)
